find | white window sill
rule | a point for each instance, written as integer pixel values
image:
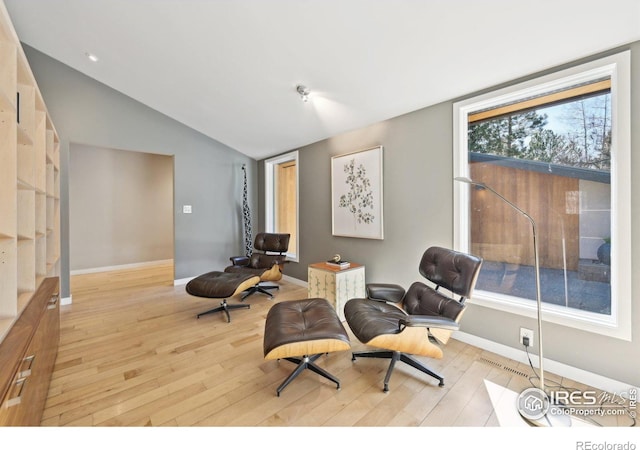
(607, 325)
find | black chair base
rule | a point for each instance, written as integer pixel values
(262, 289)
(306, 362)
(397, 356)
(224, 306)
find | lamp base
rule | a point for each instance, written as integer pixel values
(550, 419)
(540, 410)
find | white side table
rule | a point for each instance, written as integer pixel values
(336, 285)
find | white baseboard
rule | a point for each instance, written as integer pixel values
(66, 300)
(119, 267)
(295, 281)
(182, 281)
(558, 368)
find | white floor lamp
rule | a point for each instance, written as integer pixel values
(548, 419)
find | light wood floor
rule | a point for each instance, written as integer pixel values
(137, 356)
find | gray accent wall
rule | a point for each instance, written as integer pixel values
(418, 213)
(417, 196)
(207, 173)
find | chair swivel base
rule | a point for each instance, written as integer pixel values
(259, 289)
(306, 362)
(398, 356)
(224, 306)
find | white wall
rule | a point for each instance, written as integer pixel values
(120, 207)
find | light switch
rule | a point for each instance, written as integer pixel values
(186, 209)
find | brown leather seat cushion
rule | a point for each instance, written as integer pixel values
(216, 284)
(302, 320)
(369, 319)
(245, 270)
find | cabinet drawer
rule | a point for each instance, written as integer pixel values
(15, 408)
(39, 327)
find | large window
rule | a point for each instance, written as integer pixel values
(558, 149)
(281, 192)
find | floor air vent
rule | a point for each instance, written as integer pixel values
(508, 369)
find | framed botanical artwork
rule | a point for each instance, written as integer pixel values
(356, 194)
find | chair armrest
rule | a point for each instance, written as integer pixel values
(443, 323)
(240, 260)
(385, 292)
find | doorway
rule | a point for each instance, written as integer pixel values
(120, 218)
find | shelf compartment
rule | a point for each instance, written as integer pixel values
(23, 137)
(53, 146)
(56, 182)
(26, 266)
(53, 231)
(26, 214)
(50, 187)
(8, 273)
(27, 111)
(40, 152)
(56, 152)
(41, 214)
(41, 257)
(23, 299)
(8, 77)
(52, 269)
(26, 164)
(50, 214)
(8, 174)
(50, 145)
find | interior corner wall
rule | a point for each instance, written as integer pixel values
(207, 173)
(418, 213)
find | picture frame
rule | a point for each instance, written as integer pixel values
(357, 194)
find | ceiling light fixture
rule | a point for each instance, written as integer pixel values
(91, 56)
(304, 92)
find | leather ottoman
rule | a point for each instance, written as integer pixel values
(301, 331)
(221, 285)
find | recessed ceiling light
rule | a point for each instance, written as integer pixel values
(91, 57)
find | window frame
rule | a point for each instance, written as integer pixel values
(270, 200)
(618, 68)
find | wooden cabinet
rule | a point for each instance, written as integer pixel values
(29, 235)
(336, 285)
(27, 357)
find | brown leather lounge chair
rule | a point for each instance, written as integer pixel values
(267, 262)
(425, 317)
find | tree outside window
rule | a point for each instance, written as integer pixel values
(553, 160)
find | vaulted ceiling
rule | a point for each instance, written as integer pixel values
(229, 68)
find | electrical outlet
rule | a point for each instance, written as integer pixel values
(525, 332)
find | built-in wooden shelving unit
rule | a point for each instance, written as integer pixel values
(29, 182)
(29, 237)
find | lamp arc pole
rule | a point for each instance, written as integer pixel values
(547, 419)
(536, 265)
